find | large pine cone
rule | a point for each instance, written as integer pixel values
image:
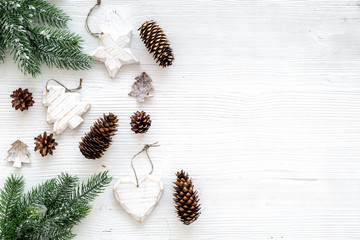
(22, 99)
(98, 140)
(157, 43)
(140, 122)
(186, 199)
(46, 144)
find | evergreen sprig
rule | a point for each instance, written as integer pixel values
(34, 33)
(49, 210)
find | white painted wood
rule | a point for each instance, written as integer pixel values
(139, 201)
(261, 106)
(18, 154)
(64, 109)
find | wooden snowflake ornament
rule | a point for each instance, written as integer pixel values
(64, 108)
(18, 153)
(115, 51)
(139, 201)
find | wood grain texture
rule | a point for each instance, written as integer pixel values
(261, 107)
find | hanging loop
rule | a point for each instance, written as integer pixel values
(98, 3)
(66, 89)
(145, 149)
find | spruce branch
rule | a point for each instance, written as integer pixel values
(49, 210)
(34, 32)
(87, 192)
(9, 196)
(47, 13)
(2, 50)
(17, 42)
(59, 48)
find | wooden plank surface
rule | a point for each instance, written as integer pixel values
(261, 107)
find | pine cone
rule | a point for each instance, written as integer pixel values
(157, 43)
(22, 99)
(98, 140)
(140, 122)
(46, 144)
(186, 199)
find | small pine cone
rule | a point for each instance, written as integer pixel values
(157, 43)
(22, 99)
(98, 140)
(186, 199)
(46, 144)
(140, 122)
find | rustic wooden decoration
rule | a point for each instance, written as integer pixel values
(142, 87)
(64, 108)
(139, 198)
(18, 153)
(115, 51)
(139, 201)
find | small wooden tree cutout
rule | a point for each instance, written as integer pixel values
(18, 154)
(142, 87)
(64, 108)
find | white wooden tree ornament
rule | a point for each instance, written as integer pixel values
(18, 153)
(139, 198)
(64, 107)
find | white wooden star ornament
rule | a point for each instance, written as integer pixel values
(115, 36)
(139, 198)
(115, 51)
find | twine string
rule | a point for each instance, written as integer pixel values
(66, 89)
(98, 3)
(145, 149)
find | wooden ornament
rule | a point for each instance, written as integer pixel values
(64, 108)
(139, 201)
(18, 153)
(114, 51)
(115, 36)
(139, 198)
(142, 87)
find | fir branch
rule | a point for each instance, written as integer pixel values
(2, 52)
(15, 37)
(56, 37)
(47, 13)
(9, 196)
(65, 185)
(87, 192)
(26, 34)
(49, 210)
(28, 208)
(59, 48)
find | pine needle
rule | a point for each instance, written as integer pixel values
(34, 33)
(49, 210)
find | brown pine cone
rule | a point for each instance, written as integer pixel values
(157, 43)
(46, 144)
(22, 99)
(98, 140)
(186, 199)
(140, 122)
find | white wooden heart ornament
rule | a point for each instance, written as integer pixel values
(139, 201)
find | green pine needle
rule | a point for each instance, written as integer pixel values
(49, 210)
(47, 13)
(34, 33)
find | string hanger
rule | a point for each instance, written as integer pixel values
(145, 149)
(66, 89)
(97, 34)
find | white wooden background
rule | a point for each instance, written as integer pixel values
(261, 107)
